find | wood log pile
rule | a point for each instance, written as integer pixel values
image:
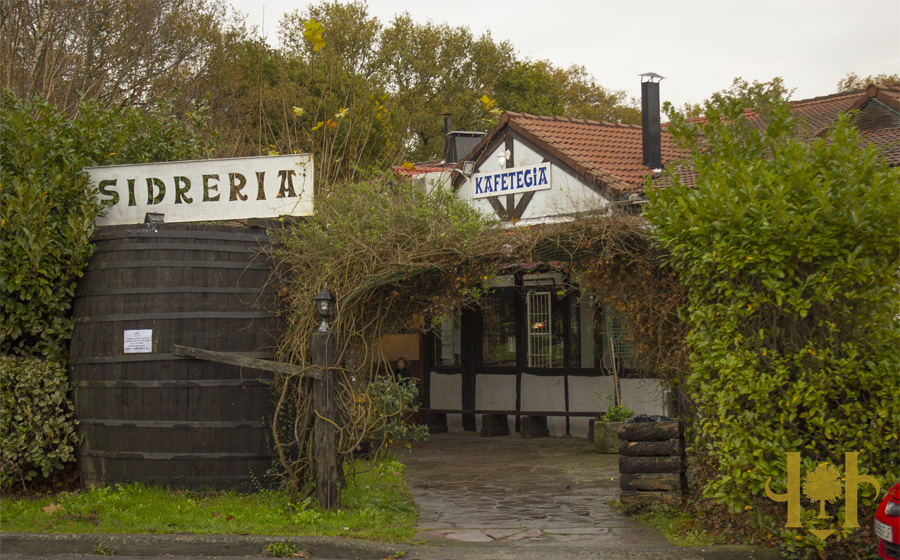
(651, 463)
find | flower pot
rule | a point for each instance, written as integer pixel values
(606, 439)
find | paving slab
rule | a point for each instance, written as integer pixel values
(511, 497)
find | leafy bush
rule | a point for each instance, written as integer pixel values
(390, 401)
(38, 421)
(47, 208)
(617, 413)
(390, 254)
(789, 250)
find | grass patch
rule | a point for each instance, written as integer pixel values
(677, 526)
(377, 506)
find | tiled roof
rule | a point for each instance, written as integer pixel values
(888, 141)
(419, 169)
(878, 117)
(607, 155)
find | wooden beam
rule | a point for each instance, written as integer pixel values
(243, 361)
(326, 464)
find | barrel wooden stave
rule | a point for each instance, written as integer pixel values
(159, 418)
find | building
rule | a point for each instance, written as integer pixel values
(536, 344)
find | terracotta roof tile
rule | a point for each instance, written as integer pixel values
(609, 156)
(887, 140)
(417, 169)
(607, 152)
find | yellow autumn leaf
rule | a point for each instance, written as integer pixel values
(488, 102)
(318, 126)
(298, 111)
(342, 113)
(408, 165)
(313, 34)
(331, 124)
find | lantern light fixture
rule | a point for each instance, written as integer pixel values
(324, 306)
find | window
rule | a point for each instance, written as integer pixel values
(447, 341)
(540, 329)
(617, 341)
(498, 313)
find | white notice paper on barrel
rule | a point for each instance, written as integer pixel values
(139, 341)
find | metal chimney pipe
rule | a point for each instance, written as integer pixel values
(651, 128)
(449, 147)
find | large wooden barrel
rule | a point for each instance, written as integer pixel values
(152, 416)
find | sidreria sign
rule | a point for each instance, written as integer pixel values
(517, 180)
(205, 190)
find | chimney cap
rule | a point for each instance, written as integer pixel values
(651, 76)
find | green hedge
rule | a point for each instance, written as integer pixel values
(38, 421)
(789, 250)
(47, 208)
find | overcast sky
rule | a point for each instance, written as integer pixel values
(698, 45)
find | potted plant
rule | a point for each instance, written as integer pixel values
(606, 428)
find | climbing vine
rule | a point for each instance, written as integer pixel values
(393, 257)
(390, 254)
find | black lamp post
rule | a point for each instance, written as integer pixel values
(325, 306)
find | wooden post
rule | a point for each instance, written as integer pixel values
(328, 492)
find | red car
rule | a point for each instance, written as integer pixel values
(887, 525)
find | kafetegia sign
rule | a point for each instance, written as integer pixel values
(517, 180)
(205, 190)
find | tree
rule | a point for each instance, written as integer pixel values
(112, 51)
(346, 117)
(852, 82)
(436, 69)
(48, 208)
(789, 251)
(540, 88)
(754, 94)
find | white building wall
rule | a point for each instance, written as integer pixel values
(495, 392)
(584, 397)
(541, 393)
(446, 392)
(567, 195)
(644, 396)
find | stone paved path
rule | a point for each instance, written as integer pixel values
(509, 489)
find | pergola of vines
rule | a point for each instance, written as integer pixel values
(394, 257)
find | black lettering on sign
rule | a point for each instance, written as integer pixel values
(237, 182)
(260, 180)
(182, 186)
(106, 192)
(287, 183)
(151, 183)
(131, 201)
(210, 188)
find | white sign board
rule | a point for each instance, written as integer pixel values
(542, 280)
(516, 180)
(139, 341)
(206, 190)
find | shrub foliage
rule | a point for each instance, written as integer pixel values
(47, 212)
(789, 251)
(38, 422)
(47, 208)
(389, 253)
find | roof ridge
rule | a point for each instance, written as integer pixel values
(829, 97)
(529, 116)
